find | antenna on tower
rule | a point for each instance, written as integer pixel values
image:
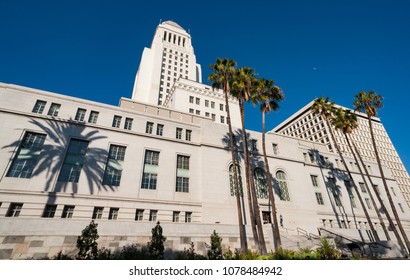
(160, 21)
(189, 31)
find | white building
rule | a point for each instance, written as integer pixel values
(304, 125)
(170, 57)
(65, 161)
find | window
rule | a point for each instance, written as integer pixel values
(260, 183)
(39, 107)
(149, 177)
(254, 145)
(191, 99)
(198, 112)
(221, 107)
(188, 217)
(368, 202)
(213, 117)
(93, 117)
(160, 129)
(68, 212)
(266, 217)
(197, 101)
(314, 180)
(362, 187)
(116, 121)
(188, 134)
(222, 119)
(97, 213)
(80, 115)
(27, 154)
(206, 103)
(153, 215)
(54, 109)
(149, 127)
(175, 216)
(49, 211)
(178, 133)
(275, 148)
(139, 214)
(191, 110)
(336, 196)
(319, 198)
(232, 181)
(282, 186)
(113, 215)
(212, 104)
(401, 207)
(392, 190)
(113, 168)
(73, 161)
(182, 183)
(128, 123)
(14, 210)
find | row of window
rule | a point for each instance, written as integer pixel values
(68, 212)
(149, 128)
(261, 184)
(80, 114)
(29, 150)
(208, 103)
(336, 194)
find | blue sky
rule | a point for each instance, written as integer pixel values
(92, 49)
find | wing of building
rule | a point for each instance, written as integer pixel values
(65, 161)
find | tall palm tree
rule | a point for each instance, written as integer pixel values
(369, 102)
(325, 108)
(345, 121)
(379, 198)
(268, 94)
(221, 78)
(242, 87)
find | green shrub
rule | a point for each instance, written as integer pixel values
(87, 242)
(156, 245)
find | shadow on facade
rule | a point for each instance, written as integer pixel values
(55, 151)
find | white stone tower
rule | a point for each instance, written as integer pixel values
(170, 56)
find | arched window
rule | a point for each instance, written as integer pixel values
(260, 183)
(282, 186)
(232, 183)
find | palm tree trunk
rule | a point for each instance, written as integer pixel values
(252, 200)
(386, 188)
(351, 178)
(276, 234)
(386, 232)
(242, 233)
(360, 198)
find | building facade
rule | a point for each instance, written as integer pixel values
(163, 155)
(304, 125)
(66, 161)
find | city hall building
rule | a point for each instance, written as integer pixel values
(163, 155)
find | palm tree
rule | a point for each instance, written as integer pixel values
(269, 95)
(325, 108)
(221, 78)
(345, 121)
(379, 198)
(369, 102)
(242, 87)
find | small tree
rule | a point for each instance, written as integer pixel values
(156, 245)
(87, 242)
(215, 252)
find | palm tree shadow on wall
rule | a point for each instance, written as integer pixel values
(255, 157)
(332, 188)
(53, 154)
